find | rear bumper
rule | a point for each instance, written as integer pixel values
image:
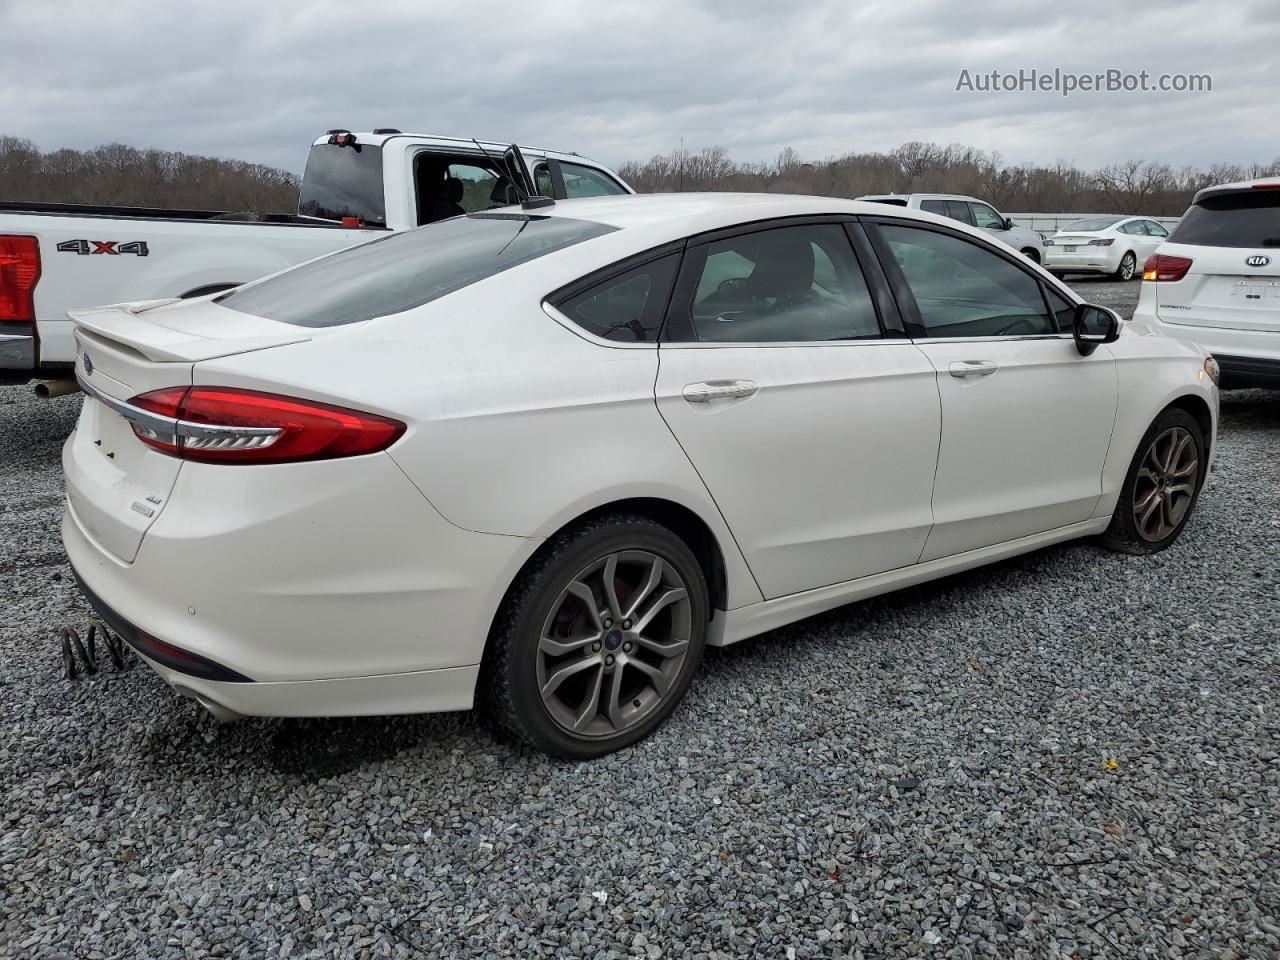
(1078, 263)
(343, 595)
(1248, 358)
(17, 351)
(1242, 372)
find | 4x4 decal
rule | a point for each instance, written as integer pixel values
(113, 247)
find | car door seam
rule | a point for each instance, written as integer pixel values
(657, 373)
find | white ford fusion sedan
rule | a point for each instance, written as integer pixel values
(540, 458)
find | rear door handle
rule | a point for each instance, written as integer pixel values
(963, 369)
(710, 390)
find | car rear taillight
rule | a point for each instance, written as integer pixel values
(1101, 243)
(1162, 268)
(19, 273)
(227, 425)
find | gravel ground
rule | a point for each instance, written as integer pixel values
(1069, 754)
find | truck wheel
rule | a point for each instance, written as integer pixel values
(597, 640)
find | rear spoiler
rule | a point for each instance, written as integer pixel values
(123, 324)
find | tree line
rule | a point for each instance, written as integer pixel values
(120, 174)
(1134, 186)
(123, 175)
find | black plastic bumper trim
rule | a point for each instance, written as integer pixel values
(165, 654)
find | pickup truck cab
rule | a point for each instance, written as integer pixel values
(55, 257)
(974, 212)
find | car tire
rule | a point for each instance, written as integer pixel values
(617, 680)
(1031, 254)
(1128, 267)
(1141, 525)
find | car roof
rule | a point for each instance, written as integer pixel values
(919, 196)
(651, 219)
(495, 147)
(1240, 186)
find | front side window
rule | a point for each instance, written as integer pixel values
(581, 181)
(627, 307)
(1154, 229)
(405, 270)
(985, 217)
(963, 289)
(788, 284)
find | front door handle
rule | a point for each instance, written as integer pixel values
(710, 390)
(963, 369)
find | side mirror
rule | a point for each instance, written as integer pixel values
(1008, 223)
(1092, 325)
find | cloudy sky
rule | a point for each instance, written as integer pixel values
(622, 80)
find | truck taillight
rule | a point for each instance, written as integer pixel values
(19, 273)
(226, 425)
(1162, 268)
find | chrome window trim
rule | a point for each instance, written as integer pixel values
(564, 321)
(573, 328)
(1024, 336)
(767, 344)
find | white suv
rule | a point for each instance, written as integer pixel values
(1216, 281)
(972, 211)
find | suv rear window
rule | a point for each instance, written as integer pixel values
(343, 182)
(1234, 220)
(405, 270)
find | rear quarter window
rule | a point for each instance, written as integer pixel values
(405, 270)
(1235, 220)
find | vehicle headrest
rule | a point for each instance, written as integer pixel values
(451, 190)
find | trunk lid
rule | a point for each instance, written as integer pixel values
(117, 486)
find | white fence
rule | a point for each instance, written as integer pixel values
(1049, 223)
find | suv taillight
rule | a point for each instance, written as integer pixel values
(1162, 268)
(226, 425)
(19, 273)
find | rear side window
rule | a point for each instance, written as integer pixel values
(343, 182)
(798, 284)
(1235, 220)
(627, 307)
(405, 270)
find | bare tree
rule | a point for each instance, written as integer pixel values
(118, 174)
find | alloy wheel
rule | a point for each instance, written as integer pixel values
(1128, 265)
(1165, 484)
(614, 643)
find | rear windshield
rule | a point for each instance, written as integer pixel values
(405, 270)
(343, 182)
(1099, 223)
(1234, 220)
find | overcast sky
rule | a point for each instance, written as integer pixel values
(620, 80)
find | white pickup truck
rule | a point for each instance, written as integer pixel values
(55, 257)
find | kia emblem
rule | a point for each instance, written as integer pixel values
(88, 366)
(1257, 261)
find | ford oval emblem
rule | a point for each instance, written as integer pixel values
(1257, 261)
(88, 366)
